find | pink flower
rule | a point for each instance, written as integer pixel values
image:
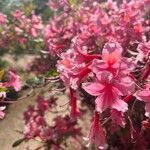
(144, 95)
(17, 14)
(14, 81)
(72, 71)
(3, 19)
(59, 33)
(97, 134)
(73, 104)
(109, 91)
(112, 60)
(36, 26)
(18, 30)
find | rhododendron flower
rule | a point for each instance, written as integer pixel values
(59, 33)
(112, 60)
(109, 91)
(74, 66)
(3, 19)
(15, 81)
(36, 25)
(71, 70)
(17, 14)
(97, 134)
(144, 95)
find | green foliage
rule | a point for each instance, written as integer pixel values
(52, 73)
(34, 81)
(39, 6)
(18, 142)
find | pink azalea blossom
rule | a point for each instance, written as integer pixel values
(97, 134)
(36, 25)
(112, 60)
(17, 14)
(3, 19)
(72, 71)
(109, 91)
(15, 81)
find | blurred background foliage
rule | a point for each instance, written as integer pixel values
(27, 6)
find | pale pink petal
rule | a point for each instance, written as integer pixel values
(14, 81)
(120, 105)
(103, 102)
(143, 95)
(112, 52)
(93, 88)
(98, 65)
(125, 88)
(105, 76)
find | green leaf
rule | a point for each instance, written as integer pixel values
(3, 89)
(34, 81)
(1, 74)
(18, 142)
(73, 2)
(52, 73)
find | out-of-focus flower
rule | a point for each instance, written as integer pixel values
(14, 81)
(3, 19)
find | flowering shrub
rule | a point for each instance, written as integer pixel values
(53, 134)
(102, 52)
(103, 47)
(21, 31)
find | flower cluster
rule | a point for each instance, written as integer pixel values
(19, 29)
(36, 124)
(102, 46)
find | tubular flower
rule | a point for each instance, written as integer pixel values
(109, 91)
(14, 81)
(97, 134)
(112, 60)
(73, 103)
